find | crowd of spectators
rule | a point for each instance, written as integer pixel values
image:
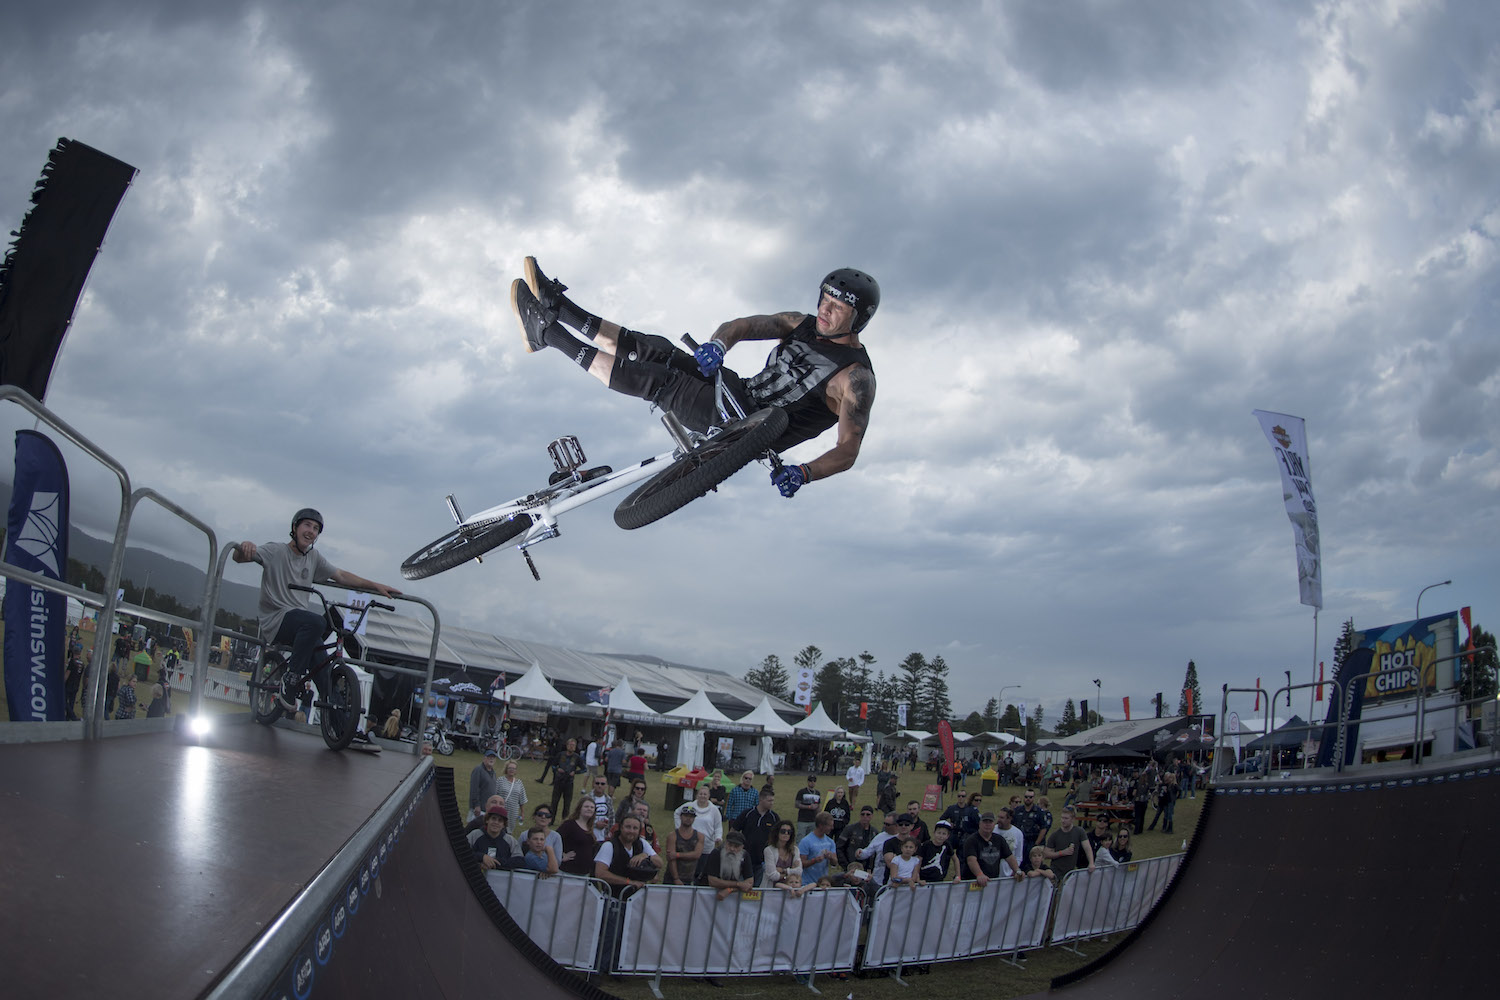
(740, 843)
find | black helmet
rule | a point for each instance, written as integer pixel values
(306, 514)
(855, 288)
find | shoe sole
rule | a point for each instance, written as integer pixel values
(515, 305)
(533, 277)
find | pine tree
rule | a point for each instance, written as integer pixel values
(1344, 646)
(937, 704)
(1069, 724)
(910, 688)
(828, 688)
(883, 698)
(974, 724)
(1190, 683)
(992, 713)
(1010, 719)
(771, 677)
(1477, 679)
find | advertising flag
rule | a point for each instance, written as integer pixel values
(1288, 437)
(1127, 709)
(804, 693)
(901, 715)
(945, 740)
(36, 539)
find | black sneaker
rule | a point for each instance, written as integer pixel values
(290, 693)
(530, 314)
(548, 291)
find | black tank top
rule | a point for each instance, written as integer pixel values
(796, 379)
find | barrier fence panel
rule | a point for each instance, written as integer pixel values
(688, 931)
(563, 914)
(946, 921)
(1110, 898)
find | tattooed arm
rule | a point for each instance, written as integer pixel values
(850, 393)
(771, 327)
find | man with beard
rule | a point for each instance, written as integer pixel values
(728, 868)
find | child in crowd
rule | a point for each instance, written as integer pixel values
(1040, 866)
(903, 867)
(539, 856)
(792, 882)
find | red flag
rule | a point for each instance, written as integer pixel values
(1257, 694)
(864, 710)
(807, 709)
(1127, 709)
(1188, 693)
(1320, 680)
(945, 739)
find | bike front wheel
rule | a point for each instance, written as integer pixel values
(462, 544)
(702, 469)
(338, 716)
(264, 705)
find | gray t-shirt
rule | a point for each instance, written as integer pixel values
(281, 566)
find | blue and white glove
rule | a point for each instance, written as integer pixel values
(710, 357)
(789, 478)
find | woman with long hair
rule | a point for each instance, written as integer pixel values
(578, 840)
(781, 856)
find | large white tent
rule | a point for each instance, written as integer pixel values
(771, 724)
(626, 706)
(699, 716)
(533, 691)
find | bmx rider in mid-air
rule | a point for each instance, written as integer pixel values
(819, 373)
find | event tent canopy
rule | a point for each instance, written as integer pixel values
(701, 713)
(1288, 736)
(764, 716)
(533, 690)
(907, 736)
(626, 706)
(818, 726)
(999, 739)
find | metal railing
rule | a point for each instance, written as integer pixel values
(1111, 898)
(107, 604)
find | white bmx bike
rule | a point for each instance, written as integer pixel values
(699, 462)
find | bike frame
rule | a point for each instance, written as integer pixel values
(545, 506)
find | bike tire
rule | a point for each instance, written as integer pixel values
(702, 469)
(338, 716)
(462, 544)
(264, 705)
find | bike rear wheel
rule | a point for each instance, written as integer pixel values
(702, 469)
(338, 716)
(264, 705)
(462, 544)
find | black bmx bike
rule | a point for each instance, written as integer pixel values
(337, 699)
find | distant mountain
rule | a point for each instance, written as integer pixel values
(163, 574)
(182, 581)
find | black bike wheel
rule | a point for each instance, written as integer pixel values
(264, 705)
(339, 714)
(701, 469)
(462, 544)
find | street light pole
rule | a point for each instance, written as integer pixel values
(1000, 703)
(1425, 590)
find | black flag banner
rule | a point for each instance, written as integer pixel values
(50, 256)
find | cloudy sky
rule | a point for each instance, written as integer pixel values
(1105, 232)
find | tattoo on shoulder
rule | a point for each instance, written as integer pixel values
(772, 327)
(861, 395)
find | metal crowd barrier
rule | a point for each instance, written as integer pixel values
(563, 914)
(950, 921)
(1110, 898)
(680, 930)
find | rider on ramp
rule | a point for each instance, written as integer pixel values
(818, 373)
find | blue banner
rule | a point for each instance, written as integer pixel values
(36, 539)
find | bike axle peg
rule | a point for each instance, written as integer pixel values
(534, 574)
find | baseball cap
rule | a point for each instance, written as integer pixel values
(491, 753)
(905, 819)
(944, 824)
(498, 811)
(866, 811)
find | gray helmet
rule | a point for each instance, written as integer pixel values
(855, 288)
(306, 514)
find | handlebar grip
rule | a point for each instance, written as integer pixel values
(298, 586)
(687, 338)
(383, 607)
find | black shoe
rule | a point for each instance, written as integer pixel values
(548, 291)
(530, 314)
(290, 693)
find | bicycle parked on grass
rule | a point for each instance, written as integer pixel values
(338, 697)
(699, 462)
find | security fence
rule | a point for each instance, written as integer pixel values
(670, 930)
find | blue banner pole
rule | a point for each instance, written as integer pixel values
(36, 620)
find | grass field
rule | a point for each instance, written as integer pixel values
(991, 978)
